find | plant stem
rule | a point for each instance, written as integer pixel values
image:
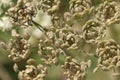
(40, 27)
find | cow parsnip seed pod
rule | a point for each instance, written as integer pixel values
(108, 12)
(57, 42)
(93, 30)
(108, 53)
(74, 69)
(46, 4)
(80, 7)
(22, 13)
(53, 6)
(67, 39)
(47, 52)
(33, 73)
(19, 48)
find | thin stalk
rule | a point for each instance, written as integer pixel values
(40, 27)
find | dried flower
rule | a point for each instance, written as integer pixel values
(19, 48)
(108, 53)
(46, 4)
(108, 12)
(47, 52)
(67, 38)
(77, 10)
(93, 30)
(60, 39)
(33, 73)
(22, 13)
(80, 7)
(57, 42)
(74, 69)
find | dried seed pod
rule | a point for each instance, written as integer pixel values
(33, 73)
(19, 48)
(67, 38)
(108, 12)
(22, 13)
(57, 42)
(108, 54)
(47, 52)
(74, 69)
(46, 4)
(93, 30)
(78, 8)
(52, 6)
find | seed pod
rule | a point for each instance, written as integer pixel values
(32, 73)
(19, 48)
(93, 30)
(108, 12)
(78, 8)
(107, 52)
(75, 69)
(22, 13)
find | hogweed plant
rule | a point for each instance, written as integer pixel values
(79, 33)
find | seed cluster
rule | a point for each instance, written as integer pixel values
(19, 48)
(22, 13)
(33, 73)
(93, 30)
(74, 69)
(57, 42)
(108, 12)
(108, 53)
(60, 38)
(78, 8)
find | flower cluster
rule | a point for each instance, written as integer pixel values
(19, 48)
(108, 12)
(93, 30)
(108, 53)
(74, 69)
(58, 42)
(78, 8)
(22, 13)
(60, 38)
(33, 73)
